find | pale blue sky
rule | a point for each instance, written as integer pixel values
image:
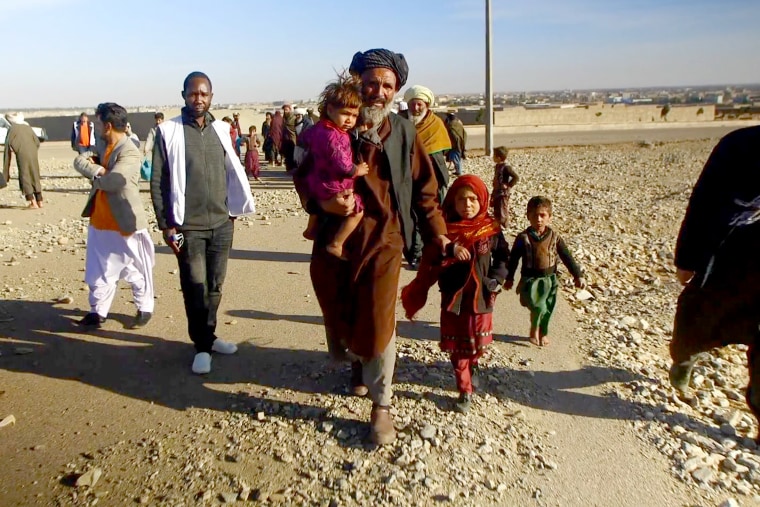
(136, 52)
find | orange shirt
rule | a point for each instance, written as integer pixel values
(102, 218)
(84, 134)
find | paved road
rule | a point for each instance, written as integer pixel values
(577, 137)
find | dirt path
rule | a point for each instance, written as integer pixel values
(102, 394)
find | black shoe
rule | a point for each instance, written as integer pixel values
(463, 403)
(475, 376)
(140, 319)
(91, 320)
(357, 380)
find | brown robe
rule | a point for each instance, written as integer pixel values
(358, 296)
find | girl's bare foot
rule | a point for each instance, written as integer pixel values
(534, 338)
(336, 250)
(310, 234)
(32, 205)
(39, 204)
(544, 341)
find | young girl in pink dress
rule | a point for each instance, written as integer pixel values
(333, 170)
(252, 165)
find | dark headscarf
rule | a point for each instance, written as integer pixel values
(381, 58)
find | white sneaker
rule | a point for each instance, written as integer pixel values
(223, 347)
(202, 363)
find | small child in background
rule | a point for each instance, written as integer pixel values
(329, 145)
(538, 247)
(252, 164)
(504, 178)
(469, 275)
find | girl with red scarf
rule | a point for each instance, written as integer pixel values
(469, 275)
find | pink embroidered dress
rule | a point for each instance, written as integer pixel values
(333, 168)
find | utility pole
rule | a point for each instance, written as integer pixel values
(489, 84)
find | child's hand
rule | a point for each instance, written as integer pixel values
(461, 253)
(493, 285)
(509, 284)
(361, 170)
(580, 283)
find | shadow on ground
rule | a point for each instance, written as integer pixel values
(150, 368)
(255, 255)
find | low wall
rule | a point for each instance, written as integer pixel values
(59, 127)
(602, 114)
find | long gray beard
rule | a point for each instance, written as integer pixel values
(416, 119)
(374, 117)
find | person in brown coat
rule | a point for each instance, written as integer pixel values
(357, 296)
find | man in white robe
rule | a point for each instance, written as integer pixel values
(118, 243)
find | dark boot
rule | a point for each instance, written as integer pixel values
(475, 375)
(357, 380)
(91, 320)
(463, 403)
(752, 394)
(140, 320)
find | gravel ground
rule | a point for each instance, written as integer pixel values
(284, 431)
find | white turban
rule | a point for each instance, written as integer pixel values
(17, 118)
(419, 92)
(300, 110)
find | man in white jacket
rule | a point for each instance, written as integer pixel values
(198, 187)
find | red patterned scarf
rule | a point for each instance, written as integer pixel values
(463, 232)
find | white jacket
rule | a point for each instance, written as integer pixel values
(239, 198)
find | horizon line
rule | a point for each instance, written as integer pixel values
(555, 90)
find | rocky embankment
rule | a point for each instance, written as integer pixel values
(619, 208)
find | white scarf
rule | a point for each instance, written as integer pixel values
(239, 198)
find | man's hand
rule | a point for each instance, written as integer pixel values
(684, 276)
(168, 233)
(341, 204)
(509, 284)
(361, 170)
(580, 282)
(442, 241)
(461, 253)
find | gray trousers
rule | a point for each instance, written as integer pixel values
(377, 373)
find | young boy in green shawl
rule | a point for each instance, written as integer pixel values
(539, 247)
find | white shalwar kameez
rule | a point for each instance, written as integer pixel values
(112, 257)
